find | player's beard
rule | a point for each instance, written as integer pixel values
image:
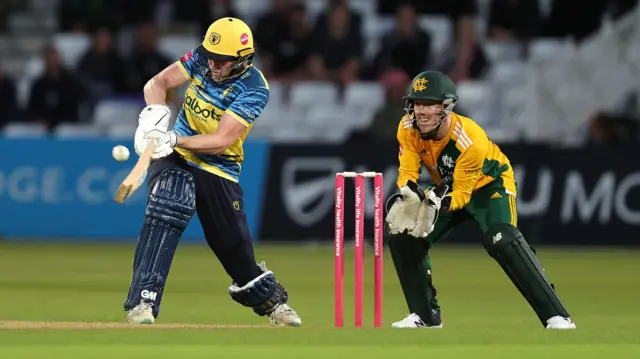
(219, 75)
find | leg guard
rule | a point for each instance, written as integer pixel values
(507, 246)
(263, 293)
(169, 209)
(413, 267)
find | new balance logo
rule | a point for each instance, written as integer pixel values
(496, 195)
(419, 323)
(146, 294)
(497, 237)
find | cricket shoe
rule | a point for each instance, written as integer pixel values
(284, 316)
(141, 314)
(559, 322)
(414, 321)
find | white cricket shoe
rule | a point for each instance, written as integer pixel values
(141, 314)
(559, 322)
(413, 321)
(283, 316)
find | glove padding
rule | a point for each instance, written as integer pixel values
(428, 212)
(403, 208)
(153, 123)
(165, 141)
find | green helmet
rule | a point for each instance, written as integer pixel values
(431, 87)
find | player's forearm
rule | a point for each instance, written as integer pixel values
(404, 176)
(211, 144)
(155, 91)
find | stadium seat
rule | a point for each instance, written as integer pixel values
(514, 100)
(633, 53)
(276, 93)
(251, 10)
(509, 72)
(481, 27)
(276, 118)
(73, 130)
(314, 7)
(175, 46)
(34, 67)
(377, 26)
(108, 112)
(71, 46)
(545, 50)
(269, 120)
(502, 135)
(23, 91)
(439, 27)
(472, 93)
(366, 8)
(499, 52)
(333, 136)
(340, 117)
(293, 135)
(372, 46)
(20, 129)
(364, 95)
(474, 100)
(305, 94)
(45, 5)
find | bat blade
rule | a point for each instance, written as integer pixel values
(136, 177)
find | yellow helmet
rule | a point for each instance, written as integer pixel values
(228, 39)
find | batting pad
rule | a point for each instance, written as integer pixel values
(264, 293)
(170, 207)
(507, 246)
(413, 268)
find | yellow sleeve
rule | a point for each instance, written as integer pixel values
(184, 70)
(466, 174)
(409, 159)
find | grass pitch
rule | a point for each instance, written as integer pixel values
(65, 299)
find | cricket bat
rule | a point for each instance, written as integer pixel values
(137, 176)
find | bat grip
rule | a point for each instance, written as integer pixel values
(148, 152)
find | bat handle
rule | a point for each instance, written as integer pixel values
(148, 152)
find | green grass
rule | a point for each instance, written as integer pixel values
(484, 315)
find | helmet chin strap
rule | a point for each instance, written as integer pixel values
(431, 134)
(236, 70)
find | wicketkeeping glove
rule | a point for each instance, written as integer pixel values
(403, 208)
(428, 212)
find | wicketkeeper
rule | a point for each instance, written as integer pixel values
(474, 181)
(196, 168)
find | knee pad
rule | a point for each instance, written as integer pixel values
(169, 209)
(500, 235)
(507, 246)
(172, 199)
(263, 293)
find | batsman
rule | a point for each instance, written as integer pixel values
(473, 181)
(196, 168)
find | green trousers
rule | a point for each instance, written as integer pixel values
(489, 205)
